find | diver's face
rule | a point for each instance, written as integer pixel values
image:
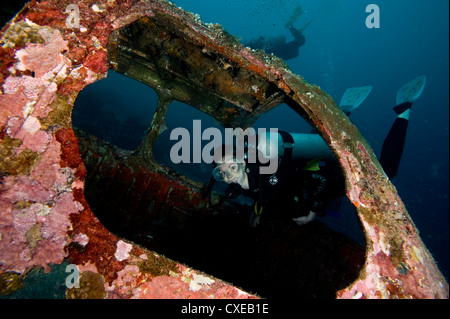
(230, 172)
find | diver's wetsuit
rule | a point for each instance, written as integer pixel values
(291, 191)
(294, 191)
(393, 145)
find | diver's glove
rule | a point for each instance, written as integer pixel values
(233, 191)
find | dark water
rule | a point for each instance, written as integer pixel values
(340, 52)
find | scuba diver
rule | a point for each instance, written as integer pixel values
(308, 181)
(278, 45)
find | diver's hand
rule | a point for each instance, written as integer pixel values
(233, 191)
(254, 222)
(305, 219)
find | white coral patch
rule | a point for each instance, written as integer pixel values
(123, 250)
(98, 8)
(198, 281)
(31, 125)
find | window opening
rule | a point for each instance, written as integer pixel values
(117, 109)
(181, 115)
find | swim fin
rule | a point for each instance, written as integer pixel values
(305, 26)
(353, 98)
(294, 16)
(411, 91)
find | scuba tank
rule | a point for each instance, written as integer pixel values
(302, 146)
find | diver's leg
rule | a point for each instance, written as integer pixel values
(299, 38)
(393, 145)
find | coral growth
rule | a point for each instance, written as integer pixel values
(91, 287)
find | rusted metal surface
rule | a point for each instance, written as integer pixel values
(191, 67)
(45, 217)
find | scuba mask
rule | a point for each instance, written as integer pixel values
(228, 171)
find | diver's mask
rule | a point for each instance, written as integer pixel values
(228, 172)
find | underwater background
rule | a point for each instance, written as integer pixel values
(340, 52)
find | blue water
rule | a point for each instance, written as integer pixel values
(341, 52)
